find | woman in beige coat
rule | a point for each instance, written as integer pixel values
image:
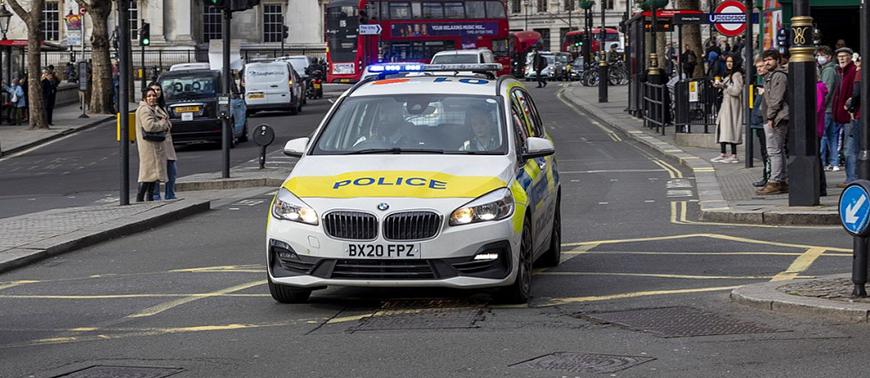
(168, 148)
(152, 154)
(729, 123)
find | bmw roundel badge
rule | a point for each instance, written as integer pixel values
(383, 206)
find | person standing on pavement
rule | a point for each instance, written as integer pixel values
(757, 122)
(16, 91)
(689, 60)
(169, 148)
(776, 122)
(821, 94)
(830, 145)
(729, 122)
(49, 92)
(152, 155)
(851, 132)
(540, 62)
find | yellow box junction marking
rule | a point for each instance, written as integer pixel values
(800, 264)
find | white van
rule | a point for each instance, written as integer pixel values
(472, 56)
(272, 86)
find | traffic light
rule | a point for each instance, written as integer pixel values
(217, 3)
(242, 5)
(285, 32)
(145, 35)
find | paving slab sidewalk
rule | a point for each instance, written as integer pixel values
(724, 190)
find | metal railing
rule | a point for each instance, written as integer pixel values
(696, 104)
(656, 106)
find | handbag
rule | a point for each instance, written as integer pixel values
(15, 98)
(154, 136)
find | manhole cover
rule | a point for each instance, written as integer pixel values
(425, 318)
(108, 371)
(584, 362)
(679, 321)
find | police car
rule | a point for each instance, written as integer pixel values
(444, 178)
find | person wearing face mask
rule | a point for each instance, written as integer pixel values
(830, 143)
(851, 132)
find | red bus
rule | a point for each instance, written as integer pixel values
(411, 31)
(574, 39)
(521, 44)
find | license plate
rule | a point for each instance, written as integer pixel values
(187, 109)
(384, 251)
(187, 116)
(316, 86)
(255, 95)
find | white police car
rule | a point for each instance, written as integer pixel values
(419, 181)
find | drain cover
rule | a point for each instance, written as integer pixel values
(679, 321)
(399, 315)
(107, 371)
(584, 362)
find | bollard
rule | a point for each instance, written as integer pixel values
(263, 137)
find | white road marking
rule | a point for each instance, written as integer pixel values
(603, 203)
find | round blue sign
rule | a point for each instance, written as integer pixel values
(855, 207)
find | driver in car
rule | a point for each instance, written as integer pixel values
(483, 137)
(387, 132)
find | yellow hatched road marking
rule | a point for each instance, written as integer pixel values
(9, 285)
(800, 264)
(154, 310)
(711, 236)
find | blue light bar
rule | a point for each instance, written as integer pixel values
(396, 67)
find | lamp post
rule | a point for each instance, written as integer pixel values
(803, 161)
(587, 31)
(654, 73)
(602, 63)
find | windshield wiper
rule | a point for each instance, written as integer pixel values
(395, 150)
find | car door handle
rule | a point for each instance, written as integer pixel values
(273, 86)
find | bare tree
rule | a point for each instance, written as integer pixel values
(101, 65)
(692, 37)
(33, 19)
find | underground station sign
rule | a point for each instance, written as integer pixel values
(854, 208)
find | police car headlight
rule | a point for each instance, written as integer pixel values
(495, 205)
(289, 207)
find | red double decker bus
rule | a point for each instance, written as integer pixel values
(411, 31)
(574, 40)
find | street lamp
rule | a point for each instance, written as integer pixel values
(653, 6)
(5, 16)
(602, 64)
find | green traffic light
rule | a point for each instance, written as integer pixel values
(146, 42)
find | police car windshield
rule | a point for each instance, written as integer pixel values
(190, 86)
(455, 59)
(415, 124)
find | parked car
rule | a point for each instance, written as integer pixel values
(192, 102)
(471, 56)
(561, 68)
(273, 86)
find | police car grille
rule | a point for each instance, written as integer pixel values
(412, 225)
(383, 269)
(351, 225)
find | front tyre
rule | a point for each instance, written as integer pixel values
(521, 290)
(288, 294)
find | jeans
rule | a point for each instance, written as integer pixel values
(171, 174)
(852, 133)
(776, 138)
(830, 144)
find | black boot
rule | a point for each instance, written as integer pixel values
(149, 191)
(140, 194)
(766, 175)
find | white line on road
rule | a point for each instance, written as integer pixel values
(614, 171)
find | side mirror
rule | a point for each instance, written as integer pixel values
(296, 147)
(538, 147)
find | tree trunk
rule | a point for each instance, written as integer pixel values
(692, 37)
(33, 18)
(101, 95)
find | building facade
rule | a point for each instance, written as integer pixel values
(191, 24)
(554, 18)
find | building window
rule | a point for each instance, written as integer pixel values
(212, 28)
(516, 6)
(569, 5)
(608, 4)
(51, 21)
(273, 21)
(545, 38)
(134, 20)
(562, 33)
(542, 6)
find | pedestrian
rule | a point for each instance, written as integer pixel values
(821, 94)
(152, 124)
(776, 122)
(851, 132)
(17, 101)
(829, 148)
(26, 89)
(540, 63)
(729, 122)
(169, 148)
(689, 60)
(757, 122)
(49, 92)
(839, 44)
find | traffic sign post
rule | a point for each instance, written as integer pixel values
(854, 208)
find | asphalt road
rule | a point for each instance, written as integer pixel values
(642, 291)
(85, 169)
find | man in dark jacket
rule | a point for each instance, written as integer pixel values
(851, 132)
(539, 62)
(757, 123)
(689, 60)
(776, 122)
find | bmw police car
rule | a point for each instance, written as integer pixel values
(441, 179)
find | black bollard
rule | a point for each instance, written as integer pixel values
(263, 137)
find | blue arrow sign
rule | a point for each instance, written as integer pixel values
(370, 29)
(855, 208)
